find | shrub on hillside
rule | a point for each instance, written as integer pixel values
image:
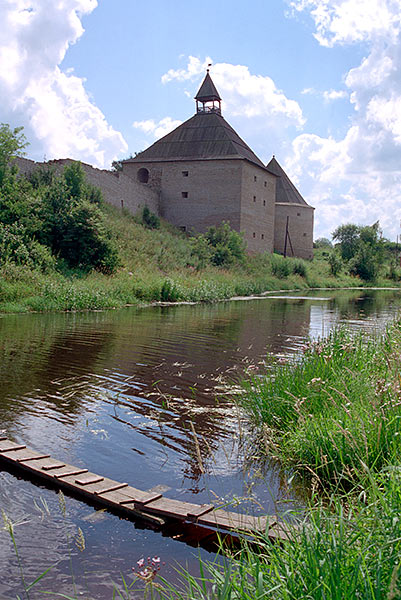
(228, 246)
(335, 262)
(46, 215)
(280, 266)
(20, 249)
(149, 219)
(299, 267)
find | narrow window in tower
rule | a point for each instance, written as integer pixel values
(185, 173)
(184, 194)
(254, 198)
(255, 178)
(254, 234)
(298, 214)
(263, 236)
(265, 183)
(304, 234)
(264, 202)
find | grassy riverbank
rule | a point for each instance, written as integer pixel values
(334, 418)
(157, 265)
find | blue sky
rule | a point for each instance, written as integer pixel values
(315, 82)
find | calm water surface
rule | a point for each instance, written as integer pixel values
(116, 392)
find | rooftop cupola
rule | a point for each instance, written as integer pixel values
(207, 98)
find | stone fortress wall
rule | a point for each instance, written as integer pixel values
(261, 219)
(118, 188)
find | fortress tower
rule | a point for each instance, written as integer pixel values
(205, 174)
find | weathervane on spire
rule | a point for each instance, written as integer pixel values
(209, 65)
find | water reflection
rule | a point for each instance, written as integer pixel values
(125, 393)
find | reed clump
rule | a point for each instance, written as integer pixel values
(336, 412)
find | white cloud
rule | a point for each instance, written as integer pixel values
(159, 129)
(59, 117)
(330, 95)
(194, 68)
(244, 94)
(357, 178)
(327, 95)
(348, 21)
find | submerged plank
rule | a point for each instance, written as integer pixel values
(122, 497)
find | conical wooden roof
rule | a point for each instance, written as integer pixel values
(285, 189)
(207, 90)
(203, 136)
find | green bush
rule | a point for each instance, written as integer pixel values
(228, 246)
(280, 266)
(335, 262)
(299, 267)
(365, 263)
(149, 219)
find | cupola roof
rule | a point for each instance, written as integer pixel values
(207, 91)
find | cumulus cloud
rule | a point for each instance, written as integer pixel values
(348, 21)
(59, 117)
(193, 69)
(157, 129)
(244, 94)
(330, 95)
(327, 95)
(357, 178)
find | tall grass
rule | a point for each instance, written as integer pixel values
(156, 265)
(337, 554)
(337, 412)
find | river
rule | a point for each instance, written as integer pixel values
(116, 392)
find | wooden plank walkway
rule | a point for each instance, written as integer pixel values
(129, 501)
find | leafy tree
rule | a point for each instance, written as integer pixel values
(363, 248)
(73, 226)
(12, 144)
(335, 262)
(365, 263)
(322, 243)
(229, 245)
(348, 238)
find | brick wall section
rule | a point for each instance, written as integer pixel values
(118, 189)
(209, 194)
(217, 190)
(300, 227)
(258, 192)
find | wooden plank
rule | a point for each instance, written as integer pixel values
(27, 458)
(36, 466)
(119, 498)
(88, 479)
(199, 511)
(14, 455)
(138, 502)
(170, 508)
(70, 473)
(113, 488)
(149, 498)
(8, 446)
(236, 521)
(98, 486)
(53, 465)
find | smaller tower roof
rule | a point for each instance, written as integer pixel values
(207, 90)
(285, 189)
